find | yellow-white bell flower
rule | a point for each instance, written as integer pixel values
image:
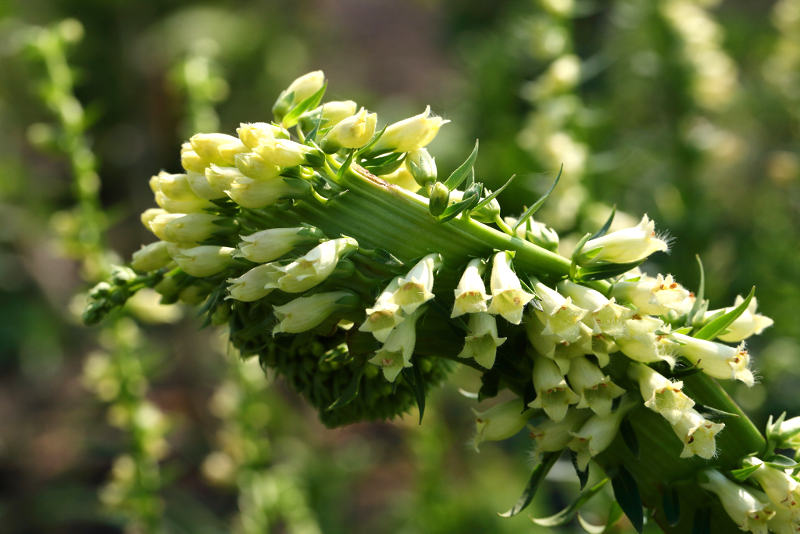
(553, 394)
(304, 313)
(500, 422)
(305, 86)
(216, 147)
(656, 296)
(716, 359)
(416, 287)
(255, 194)
(205, 260)
(597, 391)
(191, 227)
(384, 315)
(482, 341)
(744, 506)
(645, 340)
(411, 133)
(625, 246)
(284, 152)
(470, 294)
(782, 489)
(508, 297)
(552, 436)
(783, 522)
(596, 434)
(253, 134)
(173, 193)
(253, 166)
(660, 394)
(697, 434)
(202, 187)
(316, 265)
(604, 315)
(396, 352)
(151, 257)
(560, 316)
(272, 243)
(255, 284)
(352, 132)
(749, 323)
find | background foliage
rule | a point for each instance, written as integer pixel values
(686, 110)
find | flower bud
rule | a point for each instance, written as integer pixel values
(202, 261)
(315, 266)
(300, 89)
(253, 166)
(596, 434)
(416, 288)
(151, 257)
(439, 199)
(190, 161)
(596, 389)
(352, 132)
(286, 153)
(422, 166)
(500, 422)
(328, 114)
(743, 505)
(656, 296)
(216, 147)
(605, 316)
(644, 340)
(253, 134)
(470, 295)
(304, 313)
(271, 244)
(384, 315)
(396, 352)
(411, 133)
(697, 434)
(508, 298)
(255, 284)
(481, 342)
(157, 223)
(560, 316)
(786, 431)
(624, 246)
(192, 227)
(716, 359)
(749, 323)
(553, 394)
(254, 194)
(661, 394)
(782, 489)
(201, 186)
(173, 193)
(486, 214)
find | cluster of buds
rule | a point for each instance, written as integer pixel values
(333, 250)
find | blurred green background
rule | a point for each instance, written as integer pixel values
(687, 110)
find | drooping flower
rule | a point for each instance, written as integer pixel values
(396, 352)
(624, 246)
(316, 265)
(561, 318)
(500, 422)
(416, 287)
(272, 243)
(597, 391)
(782, 489)
(151, 257)
(604, 315)
(470, 294)
(645, 340)
(304, 313)
(384, 315)
(552, 436)
(716, 359)
(697, 434)
(657, 296)
(201, 261)
(661, 394)
(553, 394)
(744, 506)
(596, 434)
(508, 297)
(255, 284)
(482, 341)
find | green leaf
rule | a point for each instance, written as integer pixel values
(671, 505)
(629, 436)
(366, 148)
(346, 164)
(626, 491)
(583, 476)
(539, 203)
(291, 118)
(700, 306)
(601, 271)
(384, 164)
(566, 515)
(744, 473)
(709, 412)
(722, 322)
(491, 197)
(781, 462)
(350, 392)
(701, 524)
(470, 199)
(414, 378)
(602, 231)
(614, 513)
(537, 476)
(462, 172)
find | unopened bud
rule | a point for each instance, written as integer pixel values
(422, 166)
(151, 257)
(439, 198)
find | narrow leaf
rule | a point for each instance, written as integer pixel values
(713, 413)
(537, 476)
(468, 202)
(350, 392)
(366, 148)
(614, 513)
(539, 203)
(491, 197)
(719, 324)
(566, 515)
(671, 504)
(702, 521)
(462, 172)
(629, 436)
(602, 231)
(744, 473)
(701, 290)
(626, 491)
(291, 118)
(346, 165)
(414, 378)
(601, 271)
(583, 476)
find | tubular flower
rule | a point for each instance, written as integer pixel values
(284, 153)
(645, 340)
(385, 314)
(596, 389)
(395, 354)
(304, 313)
(352, 132)
(661, 394)
(749, 323)
(151, 257)
(416, 288)
(657, 296)
(202, 261)
(552, 436)
(470, 295)
(744, 506)
(173, 193)
(596, 434)
(481, 342)
(255, 284)
(782, 489)
(253, 134)
(192, 227)
(625, 246)
(315, 266)
(272, 243)
(255, 194)
(561, 318)
(716, 359)
(553, 394)
(508, 298)
(697, 434)
(604, 316)
(500, 422)
(251, 165)
(410, 134)
(216, 148)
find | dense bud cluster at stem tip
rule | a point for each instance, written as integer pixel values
(333, 250)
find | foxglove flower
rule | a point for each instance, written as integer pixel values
(596, 434)
(396, 352)
(352, 132)
(644, 340)
(597, 391)
(604, 316)
(500, 422)
(151, 257)
(255, 284)
(697, 434)
(716, 359)
(660, 394)
(305, 313)
(624, 246)
(744, 506)
(508, 298)
(561, 318)
(470, 295)
(657, 296)
(416, 288)
(749, 323)
(553, 394)
(272, 243)
(411, 133)
(385, 314)
(205, 260)
(782, 489)
(315, 266)
(481, 342)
